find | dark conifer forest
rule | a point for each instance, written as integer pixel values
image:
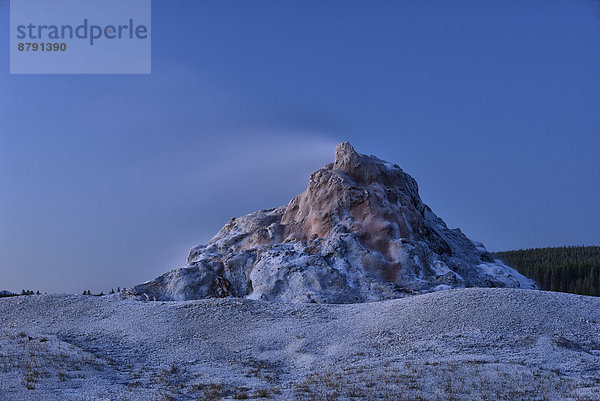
(574, 269)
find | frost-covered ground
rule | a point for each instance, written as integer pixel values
(458, 344)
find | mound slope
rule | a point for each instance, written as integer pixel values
(476, 343)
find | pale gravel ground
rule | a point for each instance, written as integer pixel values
(457, 344)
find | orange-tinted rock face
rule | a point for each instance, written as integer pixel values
(359, 232)
(374, 199)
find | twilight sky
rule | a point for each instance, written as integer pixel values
(493, 106)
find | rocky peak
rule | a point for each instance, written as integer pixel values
(359, 232)
(346, 158)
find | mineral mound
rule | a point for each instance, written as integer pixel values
(359, 232)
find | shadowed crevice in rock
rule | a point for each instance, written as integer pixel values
(359, 232)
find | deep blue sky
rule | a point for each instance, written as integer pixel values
(493, 106)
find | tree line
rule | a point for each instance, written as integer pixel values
(5, 294)
(101, 294)
(574, 269)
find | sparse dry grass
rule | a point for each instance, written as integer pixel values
(49, 359)
(438, 380)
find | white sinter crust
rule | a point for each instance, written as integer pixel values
(359, 232)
